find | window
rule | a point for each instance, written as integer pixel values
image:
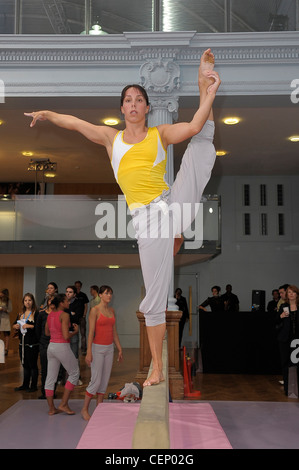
(264, 224)
(263, 195)
(246, 195)
(280, 194)
(280, 224)
(247, 229)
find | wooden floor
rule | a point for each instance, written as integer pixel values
(223, 387)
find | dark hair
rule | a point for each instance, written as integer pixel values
(284, 286)
(54, 285)
(178, 290)
(58, 299)
(5, 295)
(138, 87)
(217, 288)
(78, 282)
(95, 288)
(275, 290)
(102, 289)
(34, 308)
(73, 288)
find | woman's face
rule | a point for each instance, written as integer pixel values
(51, 289)
(28, 302)
(65, 303)
(106, 295)
(134, 105)
(215, 292)
(292, 295)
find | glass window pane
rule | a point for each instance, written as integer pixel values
(269, 15)
(7, 17)
(52, 17)
(192, 15)
(247, 228)
(280, 195)
(116, 16)
(246, 195)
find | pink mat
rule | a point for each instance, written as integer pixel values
(191, 426)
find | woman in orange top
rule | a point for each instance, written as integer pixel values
(100, 348)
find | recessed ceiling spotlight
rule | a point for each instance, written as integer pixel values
(1, 122)
(231, 120)
(294, 138)
(113, 266)
(111, 121)
(50, 266)
(27, 153)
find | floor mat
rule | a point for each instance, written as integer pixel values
(247, 425)
(190, 427)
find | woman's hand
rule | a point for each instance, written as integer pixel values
(212, 89)
(120, 356)
(88, 358)
(36, 116)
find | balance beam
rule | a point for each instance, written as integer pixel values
(152, 425)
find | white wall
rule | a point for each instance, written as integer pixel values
(261, 262)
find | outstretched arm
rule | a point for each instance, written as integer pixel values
(102, 135)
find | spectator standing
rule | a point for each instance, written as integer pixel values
(181, 302)
(82, 325)
(230, 300)
(215, 302)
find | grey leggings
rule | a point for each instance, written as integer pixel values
(101, 366)
(159, 222)
(61, 353)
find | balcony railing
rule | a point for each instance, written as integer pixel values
(89, 221)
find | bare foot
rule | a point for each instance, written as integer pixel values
(53, 411)
(66, 409)
(206, 66)
(85, 415)
(154, 379)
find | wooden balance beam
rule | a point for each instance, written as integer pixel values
(152, 425)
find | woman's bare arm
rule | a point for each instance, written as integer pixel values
(102, 135)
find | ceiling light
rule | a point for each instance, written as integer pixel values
(27, 153)
(50, 174)
(221, 153)
(113, 266)
(1, 122)
(111, 122)
(50, 266)
(231, 120)
(294, 138)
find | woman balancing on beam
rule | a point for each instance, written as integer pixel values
(138, 158)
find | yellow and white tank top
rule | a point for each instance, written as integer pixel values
(140, 168)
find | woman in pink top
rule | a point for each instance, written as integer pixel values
(100, 350)
(59, 352)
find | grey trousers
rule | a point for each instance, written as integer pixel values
(101, 365)
(157, 223)
(61, 353)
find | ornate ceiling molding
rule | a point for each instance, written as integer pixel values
(92, 65)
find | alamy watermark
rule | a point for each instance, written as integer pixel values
(2, 92)
(158, 220)
(295, 93)
(295, 353)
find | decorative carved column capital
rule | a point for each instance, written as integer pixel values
(160, 76)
